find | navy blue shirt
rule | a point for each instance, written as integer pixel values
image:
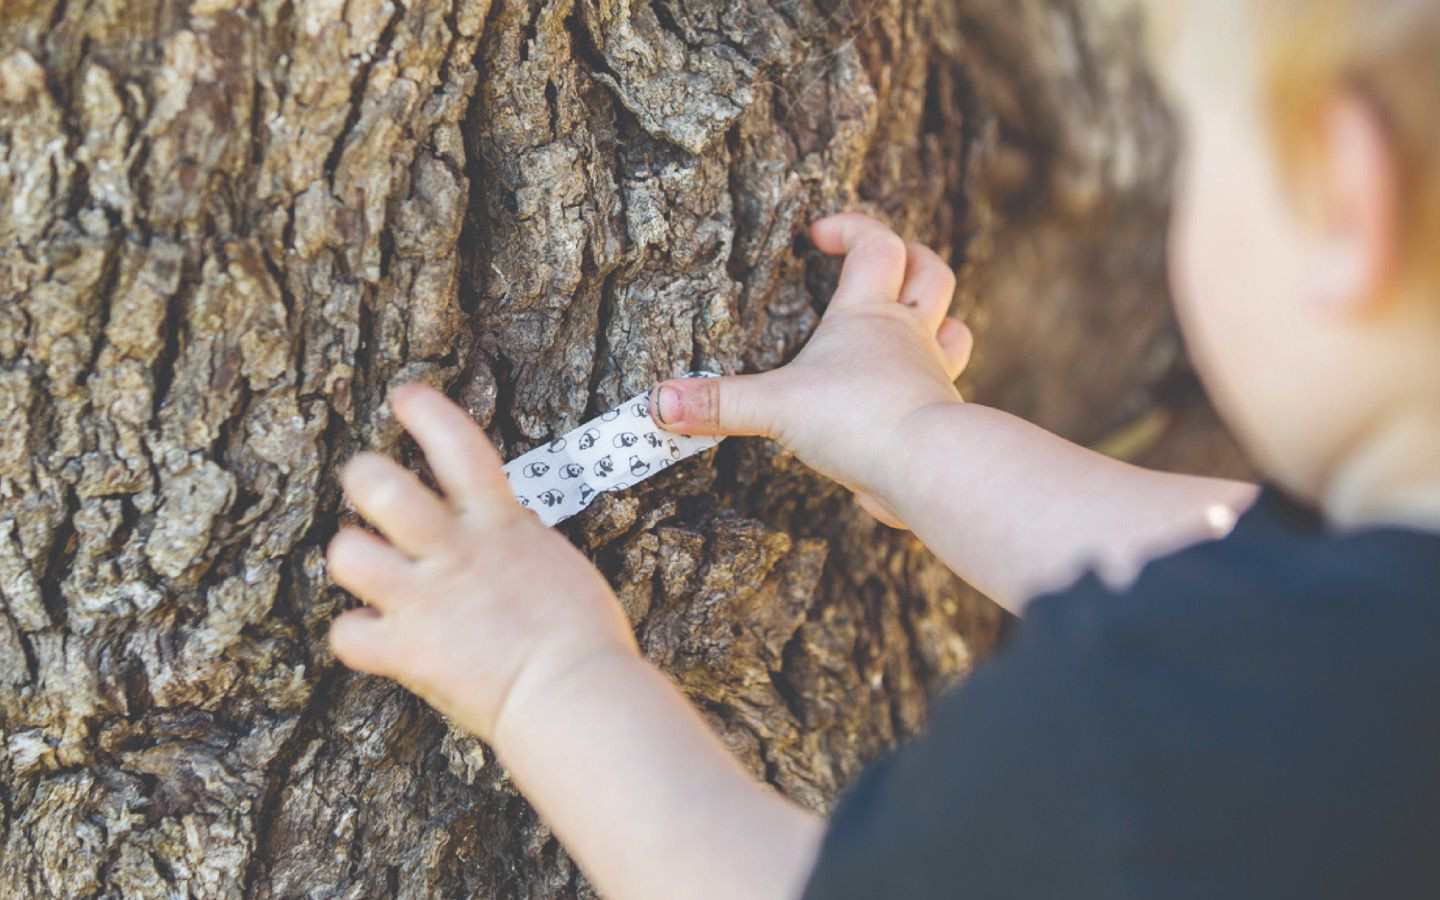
(1257, 716)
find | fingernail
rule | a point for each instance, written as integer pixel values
(667, 405)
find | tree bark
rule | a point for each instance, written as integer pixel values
(230, 226)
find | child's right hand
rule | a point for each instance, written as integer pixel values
(884, 349)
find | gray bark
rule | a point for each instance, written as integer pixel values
(229, 226)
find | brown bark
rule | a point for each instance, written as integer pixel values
(230, 225)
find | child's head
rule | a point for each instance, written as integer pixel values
(1307, 222)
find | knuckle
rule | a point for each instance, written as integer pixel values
(708, 408)
(885, 245)
(365, 463)
(782, 403)
(921, 253)
(930, 262)
(337, 555)
(469, 553)
(348, 646)
(365, 474)
(385, 491)
(335, 550)
(864, 221)
(453, 553)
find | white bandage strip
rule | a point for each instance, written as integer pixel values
(620, 448)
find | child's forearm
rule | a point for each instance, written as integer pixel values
(644, 795)
(1016, 510)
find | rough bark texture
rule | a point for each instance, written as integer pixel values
(230, 225)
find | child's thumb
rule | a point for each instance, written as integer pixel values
(728, 404)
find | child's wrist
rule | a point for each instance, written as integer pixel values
(542, 688)
(894, 471)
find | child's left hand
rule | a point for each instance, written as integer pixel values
(473, 604)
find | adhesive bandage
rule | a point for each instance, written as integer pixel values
(612, 452)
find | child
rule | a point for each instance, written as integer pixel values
(1205, 712)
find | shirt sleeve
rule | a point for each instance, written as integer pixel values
(1010, 793)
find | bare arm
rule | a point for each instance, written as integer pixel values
(1017, 511)
(640, 790)
(871, 402)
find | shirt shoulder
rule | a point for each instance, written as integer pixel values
(1165, 740)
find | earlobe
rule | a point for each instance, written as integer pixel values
(1353, 262)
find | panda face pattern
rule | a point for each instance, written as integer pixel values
(612, 452)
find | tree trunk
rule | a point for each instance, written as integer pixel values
(231, 225)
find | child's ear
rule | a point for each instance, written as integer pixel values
(1353, 259)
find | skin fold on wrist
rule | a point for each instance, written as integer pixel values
(526, 696)
(891, 475)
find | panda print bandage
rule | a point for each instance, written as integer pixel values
(620, 448)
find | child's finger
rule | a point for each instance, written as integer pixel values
(368, 567)
(464, 461)
(358, 639)
(392, 499)
(729, 404)
(881, 511)
(929, 284)
(875, 258)
(956, 343)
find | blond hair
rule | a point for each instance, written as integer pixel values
(1389, 52)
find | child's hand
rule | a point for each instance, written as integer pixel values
(884, 349)
(474, 605)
